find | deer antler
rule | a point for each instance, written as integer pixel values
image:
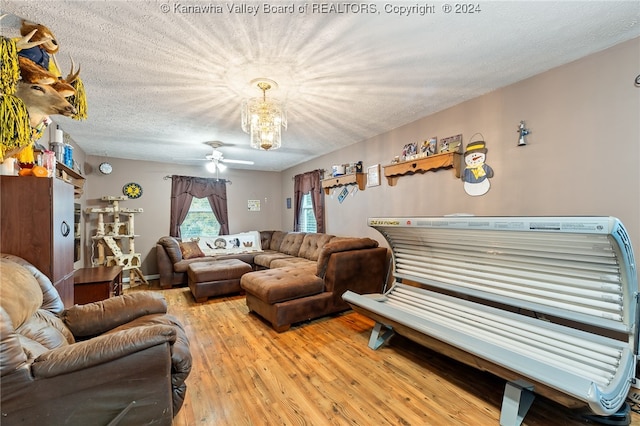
(71, 77)
(24, 43)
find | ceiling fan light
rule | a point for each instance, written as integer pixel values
(221, 167)
(211, 166)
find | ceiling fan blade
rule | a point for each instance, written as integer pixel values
(224, 160)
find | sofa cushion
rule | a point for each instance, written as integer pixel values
(265, 259)
(312, 244)
(291, 243)
(47, 330)
(172, 248)
(190, 250)
(298, 262)
(36, 329)
(51, 300)
(279, 285)
(265, 239)
(276, 240)
(21, 292)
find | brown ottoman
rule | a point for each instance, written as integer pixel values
(284, 296)
(207, 279)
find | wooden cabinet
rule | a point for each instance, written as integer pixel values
(98, 283)
(37, 225)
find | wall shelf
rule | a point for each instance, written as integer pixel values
(359, 179)
(446, 160)
(69, 175)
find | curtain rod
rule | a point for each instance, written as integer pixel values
(316, 170)
(216, 179)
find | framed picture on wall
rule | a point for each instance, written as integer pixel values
(373, 175)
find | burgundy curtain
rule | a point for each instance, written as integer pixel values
(303, 184)
(184, 188)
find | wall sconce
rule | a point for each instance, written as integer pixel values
(523, 131)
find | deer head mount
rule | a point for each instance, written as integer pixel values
(43, 100)
(42, 88)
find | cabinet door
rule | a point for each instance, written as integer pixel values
(62, 232)
(35, 214)
(26, 220)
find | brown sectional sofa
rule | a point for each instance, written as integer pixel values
(297, 276)
(173, 268)
(296, 288)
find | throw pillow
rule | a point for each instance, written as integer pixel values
(190, 250)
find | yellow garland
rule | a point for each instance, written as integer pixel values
(14, 125)
(79, 100)
(9, 66)
(26, 156)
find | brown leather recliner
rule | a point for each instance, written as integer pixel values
(119, 361)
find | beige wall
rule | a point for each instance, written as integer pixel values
(583, 158)
(153, 223)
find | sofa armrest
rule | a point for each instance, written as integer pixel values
(339, 245)
(99, 350)
(165, 266)
(361, 271)
(98, 317)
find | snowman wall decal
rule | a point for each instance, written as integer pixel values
(476, 173)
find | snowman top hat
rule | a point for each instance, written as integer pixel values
(475, 147)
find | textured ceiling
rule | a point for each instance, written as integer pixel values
(162, 78)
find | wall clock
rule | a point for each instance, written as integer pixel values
(105, 168)
(132, 190)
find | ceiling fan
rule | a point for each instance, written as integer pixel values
(216, 159)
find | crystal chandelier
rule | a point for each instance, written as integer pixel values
(264, 119)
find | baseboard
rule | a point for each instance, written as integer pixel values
(125, 280)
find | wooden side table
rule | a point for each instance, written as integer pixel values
(95, 284)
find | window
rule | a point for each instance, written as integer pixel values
(307, 220)
(200, 221)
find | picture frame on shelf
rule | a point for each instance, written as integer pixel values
(410, 151)
(429, 147)
(451, 144)
(373, 175)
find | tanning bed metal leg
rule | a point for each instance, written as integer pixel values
(517, 399)
(377, 338)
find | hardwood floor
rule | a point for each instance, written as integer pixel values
(323, 373)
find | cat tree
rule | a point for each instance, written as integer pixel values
(113, 237)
